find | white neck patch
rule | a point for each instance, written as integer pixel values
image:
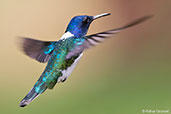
(67, 35)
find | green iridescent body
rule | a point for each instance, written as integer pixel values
(58, 63)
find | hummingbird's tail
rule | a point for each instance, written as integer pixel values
(33, 93)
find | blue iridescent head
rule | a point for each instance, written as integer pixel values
(79, 25)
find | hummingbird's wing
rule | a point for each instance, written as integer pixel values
(97, 38)
(94, 39)
(36, 49)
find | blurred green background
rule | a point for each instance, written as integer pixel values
(125, 74)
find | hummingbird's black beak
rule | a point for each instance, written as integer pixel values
(100, 15)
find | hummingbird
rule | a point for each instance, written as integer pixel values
(63, 55)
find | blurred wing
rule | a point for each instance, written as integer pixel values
(36, 49)
(94, 39)
(97, 38)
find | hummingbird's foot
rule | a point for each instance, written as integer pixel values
(63, 80)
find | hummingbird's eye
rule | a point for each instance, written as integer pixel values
(86, 19)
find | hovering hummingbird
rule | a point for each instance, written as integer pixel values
(63, 55)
